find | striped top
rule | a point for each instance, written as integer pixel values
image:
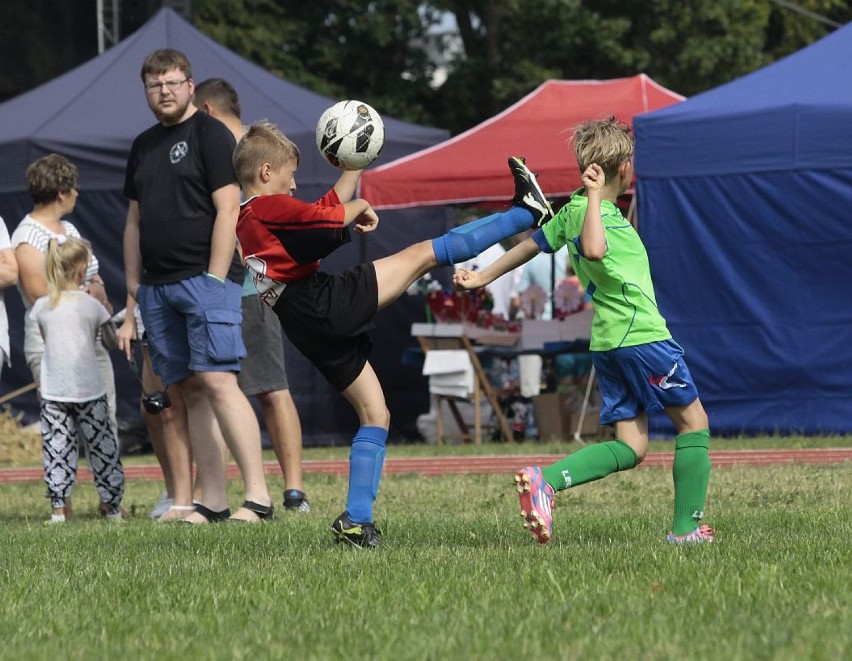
(33, 233)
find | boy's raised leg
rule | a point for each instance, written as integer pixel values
(531, 210)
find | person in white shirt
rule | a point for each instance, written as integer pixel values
(73, 396)
(8, 277)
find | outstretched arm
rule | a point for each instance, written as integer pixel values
(518, 255)
(347, 184)
(592, 236)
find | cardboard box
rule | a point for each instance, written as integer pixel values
(557, 416)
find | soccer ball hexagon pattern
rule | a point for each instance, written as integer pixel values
(350, 135)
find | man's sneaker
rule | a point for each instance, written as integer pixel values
(296, 501)
(364, 535)
(537, 501)
(163, 505)
(528, 194)
(700, 535)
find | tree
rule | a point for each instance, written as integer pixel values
(339, 48)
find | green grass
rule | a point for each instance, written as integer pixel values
(457, 577)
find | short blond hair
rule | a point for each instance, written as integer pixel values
(263, 143)
(607, 142)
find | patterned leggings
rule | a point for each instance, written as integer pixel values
(61, 423)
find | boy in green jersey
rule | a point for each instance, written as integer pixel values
(640, 368)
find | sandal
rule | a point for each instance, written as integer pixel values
(263, 512)
(210, 515)
(182, 512)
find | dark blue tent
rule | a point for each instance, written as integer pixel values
(92, 114)
(744, 197)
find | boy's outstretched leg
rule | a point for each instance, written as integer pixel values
(691, 476)
(531, 209)
(528, 193)
(537, 502)
(536, 486)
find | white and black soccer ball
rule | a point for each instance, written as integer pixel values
(350, 135)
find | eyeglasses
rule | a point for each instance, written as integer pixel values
(173, 85)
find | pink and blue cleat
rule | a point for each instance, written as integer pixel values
(701, 535)
(537, 501)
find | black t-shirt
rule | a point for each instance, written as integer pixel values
(172, 172)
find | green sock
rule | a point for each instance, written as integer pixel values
(691, 475)
(591, 463)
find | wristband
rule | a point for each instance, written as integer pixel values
(215, 277)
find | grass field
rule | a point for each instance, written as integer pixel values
(457, 577)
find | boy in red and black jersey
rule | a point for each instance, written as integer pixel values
(328, 317)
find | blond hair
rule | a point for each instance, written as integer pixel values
(606, 142)
(263, 143)
(66, 259)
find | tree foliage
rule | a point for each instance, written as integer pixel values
(379, 50)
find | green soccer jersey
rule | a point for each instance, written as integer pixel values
(620, 284)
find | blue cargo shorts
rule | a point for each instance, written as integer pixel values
(192, 326)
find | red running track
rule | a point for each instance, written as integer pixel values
(480, 464)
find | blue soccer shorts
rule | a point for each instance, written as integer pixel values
(644, 378)
(193, 325)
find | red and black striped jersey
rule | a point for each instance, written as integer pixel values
(283, 238)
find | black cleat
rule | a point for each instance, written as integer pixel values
(363, 535)
(528, 194)
(296, 501)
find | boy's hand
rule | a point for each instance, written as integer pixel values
(367, 221)
(593, 177)
(464, 279)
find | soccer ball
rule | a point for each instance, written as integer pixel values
(350, 135)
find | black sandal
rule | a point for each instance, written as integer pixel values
(263, 512)
(210, 515)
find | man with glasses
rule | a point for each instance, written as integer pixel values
(183, 270)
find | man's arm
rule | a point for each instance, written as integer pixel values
(224, 241)
(132, 254)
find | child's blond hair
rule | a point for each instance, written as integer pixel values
(66, 258)
(263, 143)
(606, 142)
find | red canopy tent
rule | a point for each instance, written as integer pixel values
(471, 167)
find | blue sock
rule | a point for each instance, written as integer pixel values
(462, 243)
(365, 470)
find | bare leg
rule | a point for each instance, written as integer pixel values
(154, 424)
(285, 433)
(634, 432)
(396, 272)
(242, 435)
(177, 446)
(207, 454)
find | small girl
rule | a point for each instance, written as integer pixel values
(73, 392)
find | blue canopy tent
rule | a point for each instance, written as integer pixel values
(92, 114)
(744, 197)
